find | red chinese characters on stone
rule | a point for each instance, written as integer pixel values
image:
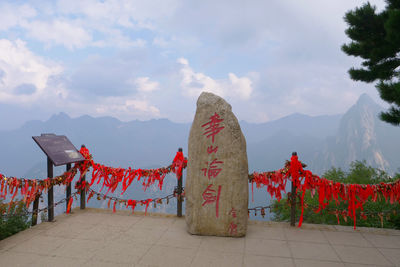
(212, 170)
(233, 229)
(213, 126)
(212, 149)
(233, 212)
(211, 196)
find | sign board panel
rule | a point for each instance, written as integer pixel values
(58, 148)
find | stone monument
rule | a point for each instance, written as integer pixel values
(216, 188)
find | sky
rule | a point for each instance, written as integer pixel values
(141, 60)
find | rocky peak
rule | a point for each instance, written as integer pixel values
(357, 135)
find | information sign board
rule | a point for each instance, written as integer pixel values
(58, 148)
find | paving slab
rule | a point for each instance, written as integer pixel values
(96, 237)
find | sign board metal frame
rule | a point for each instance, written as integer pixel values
(58, 148)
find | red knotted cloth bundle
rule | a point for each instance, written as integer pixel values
(274, 181)
(178, 164)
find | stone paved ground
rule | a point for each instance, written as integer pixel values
(101, 238)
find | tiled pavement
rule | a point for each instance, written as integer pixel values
(101, 238)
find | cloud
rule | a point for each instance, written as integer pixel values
(142, 106)
(160, 41)
(25, 89)
(240, 86)
(124, 13)
(23, 72)
(12, 15)
(126, 108)
(309, 88)
(110, 75)
(143, 84)
(59, 32)
(117, 23)
(267, 58)
(193, 83)
(111, 37)
(80, 24)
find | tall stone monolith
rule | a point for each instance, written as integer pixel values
(216, 187)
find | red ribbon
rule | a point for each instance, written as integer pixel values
(353, 195)
(178, 164)
(71, 199)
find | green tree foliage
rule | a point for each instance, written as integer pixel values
(376, 39)
(378, 214)
(15, 219)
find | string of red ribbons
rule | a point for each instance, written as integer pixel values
(30, 189)
(113, 177)
(353, 196)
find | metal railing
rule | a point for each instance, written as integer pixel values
(178, 193)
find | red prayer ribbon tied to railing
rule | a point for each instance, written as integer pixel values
(113, 177)
(30, 189)
(274, 181)
(353, 195)
(178, 164)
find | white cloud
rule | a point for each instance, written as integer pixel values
(79, 24)
(300, 71)
(142, 106)
(143, 84)
(193, 83)
(125, 109)
(240, 86)
(116, 38)
(12, 16)
(161, 42)
(21, 69)
(59, 32)
(183, 61)
(312, 89)
(124, 13)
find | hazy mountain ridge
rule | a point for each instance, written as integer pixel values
(321, 141)
(298, 124)
(362, 136)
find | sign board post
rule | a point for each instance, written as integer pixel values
(50, 192)
(68, 191)
(35, 211)
(59, 151)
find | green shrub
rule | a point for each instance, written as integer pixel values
(14, 218)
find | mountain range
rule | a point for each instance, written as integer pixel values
(320, 141)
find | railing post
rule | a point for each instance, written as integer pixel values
(293, 205)
(293, 196)
(179, 194)
(50, 194)
(68, 193)
(83, 191)
(35, 210)
(83, 194)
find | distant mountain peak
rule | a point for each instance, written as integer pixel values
(365, 99)
(359, 135)
(60, 116)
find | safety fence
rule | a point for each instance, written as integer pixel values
(353, 196)
(31, 190)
